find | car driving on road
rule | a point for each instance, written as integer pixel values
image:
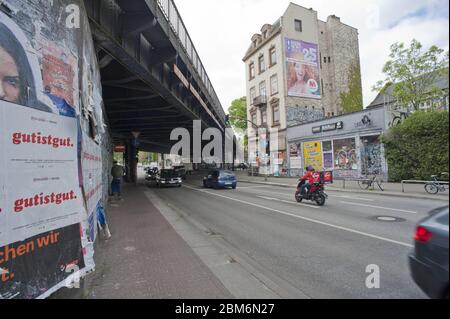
(429, 259)
(168, 177)
(220, 179)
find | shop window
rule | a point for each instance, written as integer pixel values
(345, 154)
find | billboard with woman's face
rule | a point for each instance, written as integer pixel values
(302, 64)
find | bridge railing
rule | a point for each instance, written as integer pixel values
(172, 16)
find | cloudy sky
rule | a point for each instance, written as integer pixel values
(221, 32)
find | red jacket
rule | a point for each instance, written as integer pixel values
(309, 176)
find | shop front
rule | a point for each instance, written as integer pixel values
(349, 145)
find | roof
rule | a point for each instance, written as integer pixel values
(386, 94)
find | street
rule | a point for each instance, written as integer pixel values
(323, 252)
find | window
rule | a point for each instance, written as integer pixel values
(262, 89)
(298, 25)
(324, 59)
(252, 95)
(252, 70)
(273, 84)
(273, 56)
(332, 113)
(329, 59)
(321, 84)
(254, 119)
(262, 65)
(276, 115)
(264, 116)
(320, 59)
(265, 34)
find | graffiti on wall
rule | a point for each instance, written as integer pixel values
(301, 115)
(371, 156)
(345, 154)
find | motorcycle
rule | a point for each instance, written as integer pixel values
(316, 193)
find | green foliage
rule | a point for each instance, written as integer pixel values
(418, 147)
(413, 73)
(238, 114)
(352, 101)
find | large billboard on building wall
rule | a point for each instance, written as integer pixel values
(43, 219)
(302, 65)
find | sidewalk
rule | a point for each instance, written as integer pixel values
(390, 189)
(146, 258)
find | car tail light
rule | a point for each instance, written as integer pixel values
(422, 234)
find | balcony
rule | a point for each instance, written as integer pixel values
(260, 100)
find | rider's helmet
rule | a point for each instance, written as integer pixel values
(310, 168)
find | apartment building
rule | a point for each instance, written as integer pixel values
(296, 70)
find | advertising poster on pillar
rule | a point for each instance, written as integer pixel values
(31, 268)
(91, 163)
(302, 64)
(39, 173)
(313, 154)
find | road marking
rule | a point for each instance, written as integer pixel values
(351, 197)
(289, 202)
(380, 207)
(341, 196)
(308, 219)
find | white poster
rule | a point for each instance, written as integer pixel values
(91, 163)
(39, 173)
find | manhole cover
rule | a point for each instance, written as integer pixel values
(388, 219)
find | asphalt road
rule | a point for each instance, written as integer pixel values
(321, 251)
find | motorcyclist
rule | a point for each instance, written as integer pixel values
(309, 180)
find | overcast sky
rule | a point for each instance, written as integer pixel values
(221, 32)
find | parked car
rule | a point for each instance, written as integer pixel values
(429, 259)
(220, 179)
(168, 177)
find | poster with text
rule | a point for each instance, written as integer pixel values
(40, 189)
(91, 163)
(313, 155)
(34, 267)
(302, 64)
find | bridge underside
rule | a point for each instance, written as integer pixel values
(137, 51)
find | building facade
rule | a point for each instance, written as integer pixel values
(296, 70)
(349, 145)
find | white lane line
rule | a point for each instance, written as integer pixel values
(380, 207)
(341, 196)
(289, 202)
(354, 197)
(308, 219)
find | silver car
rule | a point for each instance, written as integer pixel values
(429, 259)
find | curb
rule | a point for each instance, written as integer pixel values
(418, 196)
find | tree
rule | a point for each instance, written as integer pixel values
(238, 116)
(238, 113)
(352, 101)
(413, 73)
(418, 147)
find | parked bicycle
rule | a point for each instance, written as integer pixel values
(371, 182)
(436, 186)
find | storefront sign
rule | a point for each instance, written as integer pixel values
(328, 127)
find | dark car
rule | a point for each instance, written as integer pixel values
(181, 170)
(220, 179)
(168, 177)
(151, 174)
(429, 259)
